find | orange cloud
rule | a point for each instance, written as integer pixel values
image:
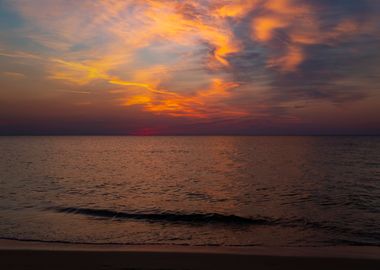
(234, 9)
(188, 58)
(293, 57)
(131, 26)
(264, 27)
(75, 72)
(165, 19)
(128, 27)
(14, 75)
(301, 27)
(203, 104)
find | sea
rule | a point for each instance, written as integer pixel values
(194, 191)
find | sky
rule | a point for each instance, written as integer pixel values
(190, 67)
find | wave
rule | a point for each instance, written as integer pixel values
(173, 217)
(200, 219)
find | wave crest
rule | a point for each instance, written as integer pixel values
(173, 217)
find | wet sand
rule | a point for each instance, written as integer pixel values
(36, 255)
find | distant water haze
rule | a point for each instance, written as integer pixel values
(244, 191)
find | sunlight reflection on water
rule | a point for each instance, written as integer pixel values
(191, 190)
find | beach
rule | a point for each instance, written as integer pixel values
(37, 255)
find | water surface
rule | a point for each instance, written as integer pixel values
(266, 191)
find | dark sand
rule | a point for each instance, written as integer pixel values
(35, 255)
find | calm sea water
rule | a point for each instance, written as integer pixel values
(267, 191)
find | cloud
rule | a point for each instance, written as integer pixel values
(18, 54)
(130, 26)
(295, 25)
(15, 75)
(203, 104)
(204, 60)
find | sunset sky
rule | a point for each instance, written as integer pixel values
(150, 67)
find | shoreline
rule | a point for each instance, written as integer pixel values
(16, 254)
(365, 252)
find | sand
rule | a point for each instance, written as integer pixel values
(37, 255)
